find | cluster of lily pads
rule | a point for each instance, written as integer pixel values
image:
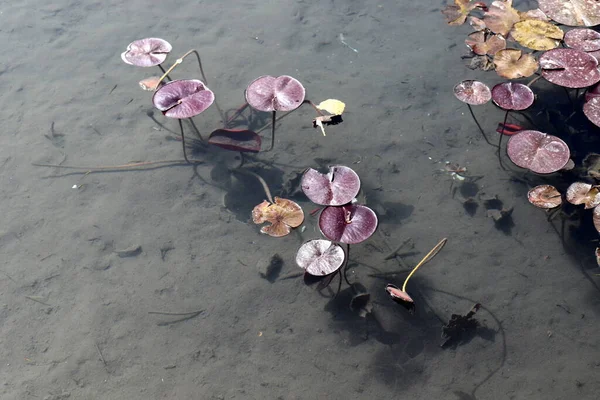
(342, 221)
(187, 98)
(519, 45)
(575, 65)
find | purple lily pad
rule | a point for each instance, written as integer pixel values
(512, 96)
(572, 12)
(351, 224)
(473, 92)
(537, 151)
(146, 52)
(320, 257)
(583, 39)
(268, 93)
(339, 186)
(236, 140)
(591, 109)
(183, 98)
(570, 68)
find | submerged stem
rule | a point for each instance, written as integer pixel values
(260, 179)
(425, 259)
(500, 141)
(478, 125)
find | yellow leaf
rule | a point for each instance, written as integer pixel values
(332, 106)
(537, 35)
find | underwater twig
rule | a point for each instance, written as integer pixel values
(123, 167)
(176, 313)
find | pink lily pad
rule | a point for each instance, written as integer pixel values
(320, 257)
(591, 109)
(146, 52)
(583, 39)
(268, 93)
(512, 96)
(348, 224)
(537, 151)
(236, 140)
(570, 68)
(572, 12)
(339, 186)
(473, 92)
(183, 98)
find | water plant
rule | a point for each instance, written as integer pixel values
(399, 295)
(187, 98)
(341, 221)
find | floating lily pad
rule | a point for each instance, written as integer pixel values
(501, 17)
(320, 257)
(183, 98)
(236, 140)
(348, 224)
(268, 93)
(537, 151)
(512, 96)
(479, 44)
(570, 68)
(544, 196)
(583, 39)
(583, 193)
(513, 64)
(283, 215)
(339, 186)
(572, 12)
(537, 35)
(473, 92)
(146, 52)
(456, 14)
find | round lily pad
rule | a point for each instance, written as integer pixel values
(320, 257)
(339, 186)
(183, 98)
(472, 92)
(544, 196)
(146, 52)
(348, 224)
(570, 68)
(268, 93)
(583, 39)
(572, 12)
(512, 96)
(537, 151)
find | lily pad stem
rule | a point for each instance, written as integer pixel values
(425, 259)
(260, 179)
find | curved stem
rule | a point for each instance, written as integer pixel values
(479, 126)
(534, 80)
(427, 257)
(260, 179)
(500, 141)
(273, 121)
(163, 71)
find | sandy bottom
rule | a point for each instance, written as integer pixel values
(77, 303)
